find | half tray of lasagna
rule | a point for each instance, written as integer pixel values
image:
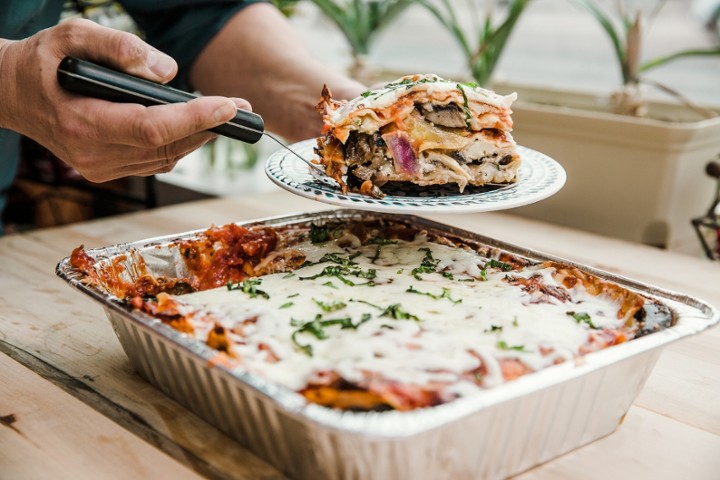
(349, 344)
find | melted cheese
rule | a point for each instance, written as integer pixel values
(453, 325)
(432, 86)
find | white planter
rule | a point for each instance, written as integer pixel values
(636, 179)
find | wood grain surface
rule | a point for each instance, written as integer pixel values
(71, 406)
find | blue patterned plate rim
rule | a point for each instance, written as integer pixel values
(539, 177)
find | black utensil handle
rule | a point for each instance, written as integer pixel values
(87, 78)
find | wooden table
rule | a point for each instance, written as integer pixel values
(71, 406)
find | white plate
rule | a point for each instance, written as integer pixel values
(539, 177)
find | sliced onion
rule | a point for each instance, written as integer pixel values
(402, 152)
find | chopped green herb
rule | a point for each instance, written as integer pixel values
(515, 322)
(316, 327)
(363, 318)
(448, 275)
(330, 306)
(393, 311)
(492, 263)
(427, 265)
(466, 106)
(502, 345)
(366, 303)
(445, 294)
(396, 311)
(370, 274)
(493, 328)
(400, 271)
(288, 275)
(406, 84)
(340, 271)
(582, 317)
(379, 242)
(305, 348)
(293, 295)
(286, 305)
(338, 258)
(249, 286)
(319, 233)
(330, 284)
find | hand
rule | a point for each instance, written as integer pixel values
(101, 140)
(278, 73)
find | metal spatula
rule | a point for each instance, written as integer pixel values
(90, 79)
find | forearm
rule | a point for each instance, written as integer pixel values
(258, 56)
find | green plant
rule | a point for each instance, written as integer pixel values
(287, 7)
(361, 20)
(485, 40)
(625, 31)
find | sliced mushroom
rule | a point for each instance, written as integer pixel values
(450, 115)
(359, 148)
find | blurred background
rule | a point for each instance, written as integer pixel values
(558, 44)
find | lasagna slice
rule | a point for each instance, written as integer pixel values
(420, 129)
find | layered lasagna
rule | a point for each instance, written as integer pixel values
(419, 129)
(376, 315)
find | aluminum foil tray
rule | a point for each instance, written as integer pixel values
(501, 432)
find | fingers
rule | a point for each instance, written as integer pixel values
(149, 127)
(242, 104)
(108, 162)
(111, 169)
(154, 168)
(137, 159)
(130, 139)
(144, 158)
(116, 49)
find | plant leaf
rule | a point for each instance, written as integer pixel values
(697, 52)
(345, 23)
(607, 25)
(483, 57)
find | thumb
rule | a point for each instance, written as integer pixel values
(117, 49)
